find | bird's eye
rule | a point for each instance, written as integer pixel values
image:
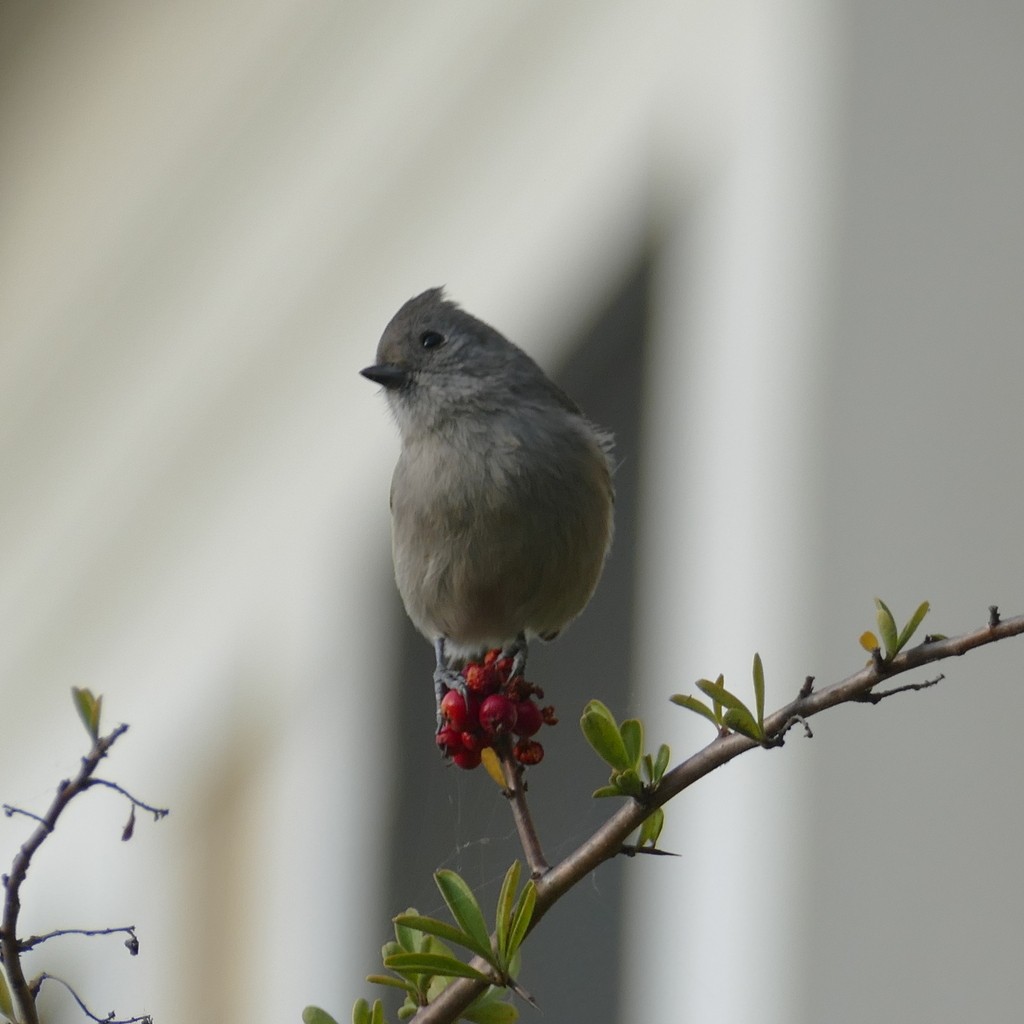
(431, 339)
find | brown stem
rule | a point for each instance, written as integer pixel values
(515, 790)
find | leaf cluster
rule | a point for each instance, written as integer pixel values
(892, 641)
(634, 773)
(726, 711)
(422, 963)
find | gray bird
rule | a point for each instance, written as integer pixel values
(502, 497)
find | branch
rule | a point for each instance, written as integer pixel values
(24, 1003)
(608, 840)
(110, 1018)
(515, 791)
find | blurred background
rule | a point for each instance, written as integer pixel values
(776, 248)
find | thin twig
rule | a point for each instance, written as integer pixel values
(10, 952)
(36, 940)
(607, 841)
(871, 697)
(515, 790)
(157, 812)
(111, 1018)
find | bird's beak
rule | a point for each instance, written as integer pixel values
(388, 375)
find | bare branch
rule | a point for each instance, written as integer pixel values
(515, 791)
(35, 940)
(110, 1018)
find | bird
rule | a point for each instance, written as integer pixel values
(502, 499)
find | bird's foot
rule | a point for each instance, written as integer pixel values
(446, 679)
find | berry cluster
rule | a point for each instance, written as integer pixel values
(495, 705)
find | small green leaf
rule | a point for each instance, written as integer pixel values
(632, 732)
(433, 964)
(603, 735)
(910, 628)
(661, 762)
(684, 700)
(718, 693)
(409, 939)
(651, 828)
(522, 915)
(759, 690)
(492, 1012)
(88, 707)
(431, 926)
(503, 913)
(314, 1015)
(887, 627)
(604, 791)
(466, 911)
(386, 979)
(741, 720)
(7, 1007)
(628, 782)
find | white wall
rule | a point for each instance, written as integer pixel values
(209, 212)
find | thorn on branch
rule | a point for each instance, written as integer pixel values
(993, 616)
(807, 689)
(631, 850)
(877, 698)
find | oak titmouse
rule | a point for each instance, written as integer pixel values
(501, 500)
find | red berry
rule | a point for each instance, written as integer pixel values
(497, 714)
(528, 718)
(491, 656)
(528, 752)
(472, 741)
(449, 740)
(480, 678)
(467, 758)
(453, 709)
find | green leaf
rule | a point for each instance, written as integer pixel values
(759, 690)
(604, 791)
(718, 693)
(628, 782)
(661, 762)
(887, 627)
(466, 911)
(911, 626)
(522, 915)
(386, 979)
(88, 708)
(431, 926)
(434, 964)
(314, 1015)
(632, 732)
(651, 828)
(7, 1007)
(603, 735)
(491, 1013)
(684, 700)
(503, 913)
(741, 720)
(409, 938)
